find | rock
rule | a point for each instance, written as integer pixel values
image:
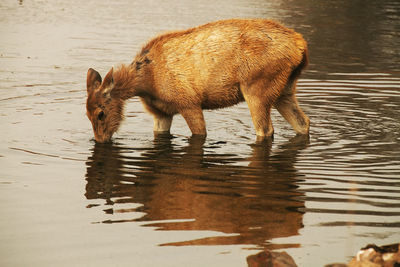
(374, 256)
(370, 256)
(270, 259)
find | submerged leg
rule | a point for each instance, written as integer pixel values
(288, 107)
(195, 120)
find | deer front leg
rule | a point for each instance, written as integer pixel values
(162, 121)
(195, 120)
(162, 125)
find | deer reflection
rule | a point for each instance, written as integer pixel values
(255, 198)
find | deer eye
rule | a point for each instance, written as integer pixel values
(100, 116)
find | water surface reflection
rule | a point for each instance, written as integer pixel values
(185, 188)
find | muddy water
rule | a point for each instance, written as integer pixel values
(66, 201)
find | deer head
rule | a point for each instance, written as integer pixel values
(104, 109)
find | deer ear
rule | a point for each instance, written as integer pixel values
(93, 80)
(108, 84)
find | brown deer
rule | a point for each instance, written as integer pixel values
(212, 66)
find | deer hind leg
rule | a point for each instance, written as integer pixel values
(261, 116)
(260, 102)
(195, 120)
(289, 108)
(287, 104)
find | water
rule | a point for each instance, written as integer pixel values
(66, 201)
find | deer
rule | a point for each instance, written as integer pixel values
(212, 66)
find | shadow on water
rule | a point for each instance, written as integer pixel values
(186, 188)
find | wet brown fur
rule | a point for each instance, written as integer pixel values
(211, 66)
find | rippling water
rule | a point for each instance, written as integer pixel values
(181, 201)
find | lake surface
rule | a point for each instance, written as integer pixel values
(66, 201)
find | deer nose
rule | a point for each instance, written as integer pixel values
(102, 139)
